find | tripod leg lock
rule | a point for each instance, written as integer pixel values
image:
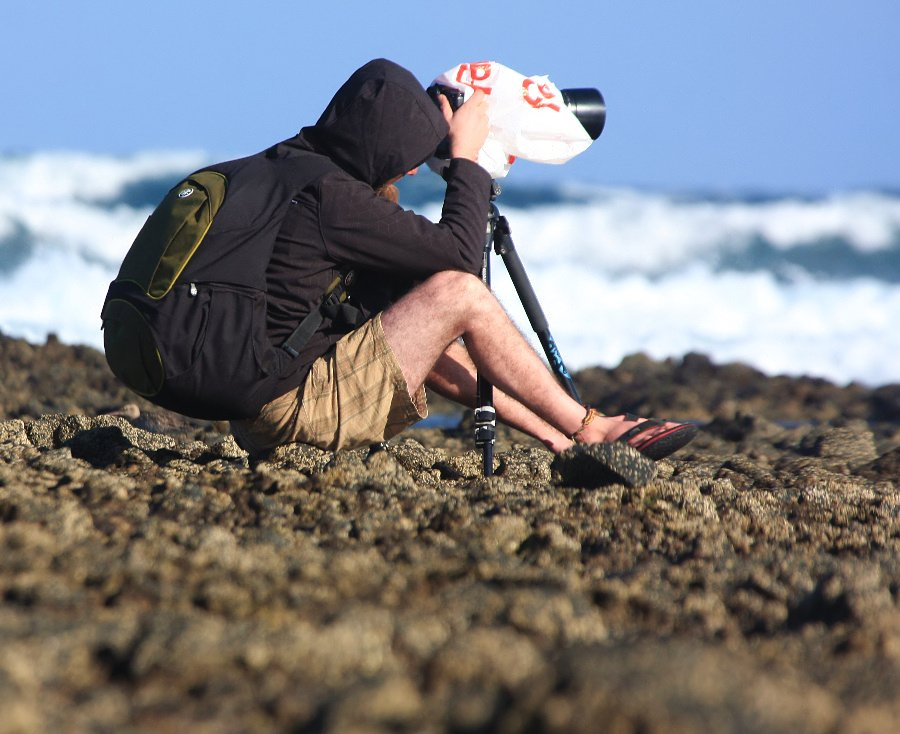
(485, 424)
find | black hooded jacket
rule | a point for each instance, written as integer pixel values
(379, 125)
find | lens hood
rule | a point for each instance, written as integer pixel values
(589, 108)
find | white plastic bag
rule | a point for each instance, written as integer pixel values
(528, 117)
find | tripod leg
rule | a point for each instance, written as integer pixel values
(504, 246)
(486, 425)
(485, 413)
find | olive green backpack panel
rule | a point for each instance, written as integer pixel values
(173, 232)
(131, 349)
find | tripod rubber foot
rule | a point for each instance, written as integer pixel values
(602, 464)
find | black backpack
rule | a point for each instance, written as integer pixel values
(185, 319)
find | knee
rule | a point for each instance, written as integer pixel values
(456, 285)
(454, 297)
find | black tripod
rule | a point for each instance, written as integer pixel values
(500, 240)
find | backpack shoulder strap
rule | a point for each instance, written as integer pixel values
(334, 306)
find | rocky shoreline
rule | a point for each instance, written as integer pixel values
(155, 578)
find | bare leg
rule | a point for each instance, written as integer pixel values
(455, 377)
(423, 324)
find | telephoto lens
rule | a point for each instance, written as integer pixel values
(588, 107)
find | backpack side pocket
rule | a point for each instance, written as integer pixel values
(231, 367)
(130, 347)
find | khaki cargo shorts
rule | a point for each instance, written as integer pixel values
(354, 395)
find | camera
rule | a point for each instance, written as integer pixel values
(454, 96)
(586, 103)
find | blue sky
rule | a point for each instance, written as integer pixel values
(768, 95)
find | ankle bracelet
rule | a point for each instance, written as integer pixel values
(585, 422)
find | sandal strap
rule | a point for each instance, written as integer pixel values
(641, 428)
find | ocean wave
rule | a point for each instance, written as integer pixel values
(624, 232)
(790, 284)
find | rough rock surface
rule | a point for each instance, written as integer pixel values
(154, 578)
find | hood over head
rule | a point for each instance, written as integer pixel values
(380, 124)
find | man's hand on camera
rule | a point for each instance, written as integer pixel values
(469, 125)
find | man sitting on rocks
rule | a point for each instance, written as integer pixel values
(430, 319)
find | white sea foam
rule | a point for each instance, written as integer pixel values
(628, 231)
(840, 331)
(616, 271)
(64, 176)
